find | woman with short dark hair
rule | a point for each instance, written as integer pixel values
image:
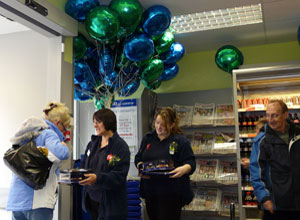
(108, 156)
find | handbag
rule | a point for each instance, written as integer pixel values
(29, 164)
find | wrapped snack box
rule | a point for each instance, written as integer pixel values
(158, 167)
(72, 176)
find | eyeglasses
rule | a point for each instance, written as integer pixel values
(273, 116)
(63, 126)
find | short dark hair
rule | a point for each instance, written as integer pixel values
(283, 106)
(107, 117)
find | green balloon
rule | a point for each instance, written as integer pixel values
(151, 72)
(102, 23)
(144, 63)
(152, 85)
(122, 61)
(99, 103)
(228, 58)
(163, 42)
(129, 13)
(79, 46)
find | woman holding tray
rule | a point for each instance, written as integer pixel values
(165, 192)
(108, 156)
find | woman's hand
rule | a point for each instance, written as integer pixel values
(180, 171)
(90, 179)
(140, 169)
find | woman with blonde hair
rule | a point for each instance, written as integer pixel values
(25, 202)
(166, 194)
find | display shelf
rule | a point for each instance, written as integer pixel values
(253, 109)
(203, 133)
(247, 188)
(206, 126)
(212, 183)
(250, 206)
(214, 155)
(206, 213)
(247, 135)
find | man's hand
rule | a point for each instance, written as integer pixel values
(268, 205)
(180, 171)
(90, 180)
(245, 162)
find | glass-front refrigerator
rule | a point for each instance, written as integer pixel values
(253, 88)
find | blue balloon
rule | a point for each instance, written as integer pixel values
(78, 9)
(131, 71)
(92, 58)
(81, 71)
(170, 71)
(130, 88)
(174, 54)
(156, 20)
(139, 48)
(88, 86)
(112, 80)
(106, 61)
(80, 95)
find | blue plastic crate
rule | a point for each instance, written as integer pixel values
(134, 202)
(133, 184)
(133, 190)
(134, 214)
(133, 196)
(136, 208)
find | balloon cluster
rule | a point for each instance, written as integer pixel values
(228, 58)
(131, 46)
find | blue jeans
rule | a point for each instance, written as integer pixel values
(34, 214)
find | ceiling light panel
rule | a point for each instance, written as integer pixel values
(215, 19)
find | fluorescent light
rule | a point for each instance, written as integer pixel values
(221, 18)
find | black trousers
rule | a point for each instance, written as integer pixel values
(282, 215)
(163, 207)
(93, 207)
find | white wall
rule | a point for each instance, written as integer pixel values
(30, 72)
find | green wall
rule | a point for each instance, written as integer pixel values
(58, 3)
(198, 71)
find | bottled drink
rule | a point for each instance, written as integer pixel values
(242, 148)
(248, 146)
(240, 124)
(245, 125)
(255, 120)
(290, 117)
(296, 119)
(249, 124)
(248, 198)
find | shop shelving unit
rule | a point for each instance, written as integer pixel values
(220, 96)
(275, 81)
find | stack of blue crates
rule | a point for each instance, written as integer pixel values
(134, 201)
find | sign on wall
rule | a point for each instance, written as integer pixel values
(126, 113)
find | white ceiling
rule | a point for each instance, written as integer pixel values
(281, 20)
